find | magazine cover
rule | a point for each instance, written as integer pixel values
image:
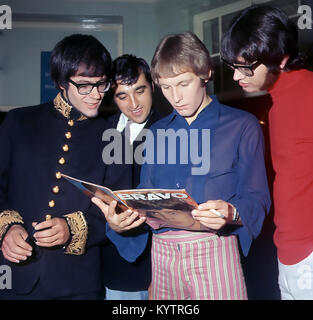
(161, 207)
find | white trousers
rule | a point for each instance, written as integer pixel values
(296, 281)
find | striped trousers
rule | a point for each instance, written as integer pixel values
(196, 266)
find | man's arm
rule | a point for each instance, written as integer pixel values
(129, 247)
(12, 233)
(251, 202)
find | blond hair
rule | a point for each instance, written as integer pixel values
(180, 53)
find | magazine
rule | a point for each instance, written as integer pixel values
(170, 208)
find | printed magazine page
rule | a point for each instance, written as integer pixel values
(161, 207)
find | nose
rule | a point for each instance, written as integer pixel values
(177, 96)
(238, 75)
(95, 93)
(133, 102)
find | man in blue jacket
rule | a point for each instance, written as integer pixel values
(219, 161)
(57, 258)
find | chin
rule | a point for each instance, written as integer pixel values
(251, 90)
(91, 114)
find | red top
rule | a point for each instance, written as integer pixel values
(291, 136)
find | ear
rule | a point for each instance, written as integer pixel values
(64, 91)
(283, 62)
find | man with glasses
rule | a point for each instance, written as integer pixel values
(48, 257)
(261, 46)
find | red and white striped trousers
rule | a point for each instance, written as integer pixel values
(196, 266)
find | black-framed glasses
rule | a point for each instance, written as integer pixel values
(85, 88)
(245, 69)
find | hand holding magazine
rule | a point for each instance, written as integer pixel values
(161, 207)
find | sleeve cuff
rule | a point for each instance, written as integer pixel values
(8, 218)
(79, 232)
(129, 247)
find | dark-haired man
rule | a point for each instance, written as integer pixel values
(133, 94)
(261, 46)
(37, 144)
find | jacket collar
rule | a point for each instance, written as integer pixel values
(61, 105)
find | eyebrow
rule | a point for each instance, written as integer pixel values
(88, 82)
(180, 82)
(137, 88)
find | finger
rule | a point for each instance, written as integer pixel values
(136, 223)
(101, 205)
(44, 224)
(15, 253)
(48, 242)
(111, 209)
(127, 218)
(9, 258)
(125, 215)
(207, 214)
(46, 233)
(208, 220)
(210, 204)
(20, 241)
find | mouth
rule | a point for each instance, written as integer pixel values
(243, 84)
(136, 112)
(92, 106)
(180, 107)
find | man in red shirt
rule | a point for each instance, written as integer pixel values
(261, 46)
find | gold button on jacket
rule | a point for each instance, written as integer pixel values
(51, 204)
(68, 135)
(65, 148)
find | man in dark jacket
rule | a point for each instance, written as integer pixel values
(133, 89)
(58, 257)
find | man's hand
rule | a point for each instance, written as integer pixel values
(124, 221)
(14, 247)
(210, 219)
(57, 233)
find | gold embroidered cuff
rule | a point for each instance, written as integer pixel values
(79, 231)
(7, 218)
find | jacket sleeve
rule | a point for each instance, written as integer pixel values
(8, 216)
(252, 198)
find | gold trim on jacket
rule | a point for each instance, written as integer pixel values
(7, 218)
(79, 231)
(65, 108)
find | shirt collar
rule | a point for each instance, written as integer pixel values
(135, 128)
(211, 110)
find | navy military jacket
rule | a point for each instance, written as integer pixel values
(36, 143)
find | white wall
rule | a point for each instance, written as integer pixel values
(20, 47)
(145, 22)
